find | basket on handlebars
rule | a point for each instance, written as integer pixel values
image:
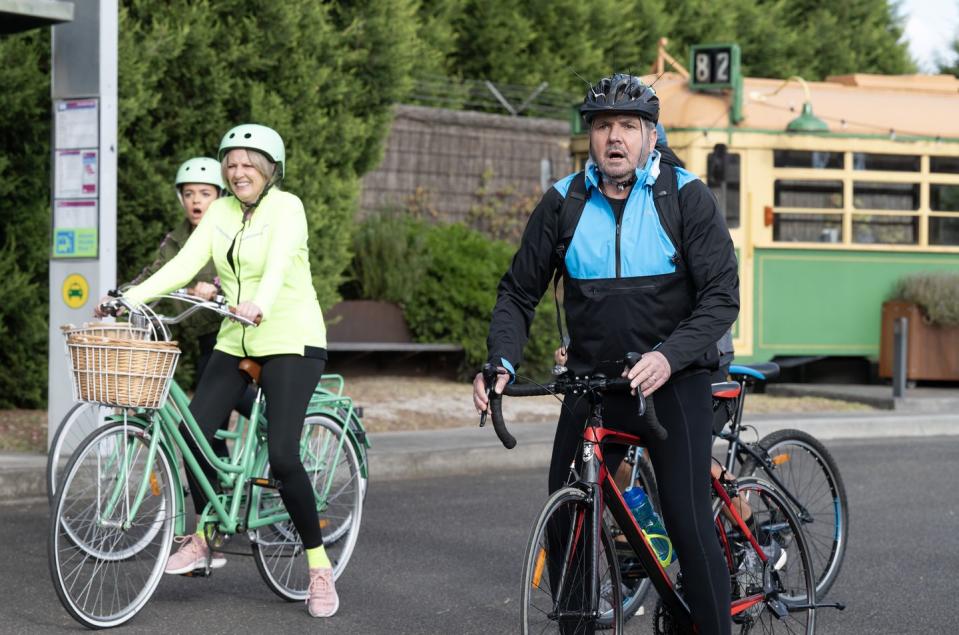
(115, 330)
(125, 373)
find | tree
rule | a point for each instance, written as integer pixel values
(25, 229)
(949, 65)
(548, 40)
(324, 75)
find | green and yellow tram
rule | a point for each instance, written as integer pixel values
(832, 192)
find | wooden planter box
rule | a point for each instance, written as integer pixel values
(932, 351)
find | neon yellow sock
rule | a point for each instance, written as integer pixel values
(317, 558)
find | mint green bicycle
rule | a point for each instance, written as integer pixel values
(120, 503)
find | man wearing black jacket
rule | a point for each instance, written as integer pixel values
(629, 287)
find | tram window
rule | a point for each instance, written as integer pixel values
(943, 230)
(803, 159)
(944, 198)
(817, 194)
(886, 230)
(880, 195)
(807, 228)
(885, 162)
(729, 206)
(947, 165)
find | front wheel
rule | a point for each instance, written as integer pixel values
(111, 526)
(808, 472)
(556, 576)
(333, 468)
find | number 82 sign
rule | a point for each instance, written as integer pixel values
(714, 66)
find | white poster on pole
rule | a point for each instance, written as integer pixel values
(77, 123)
(76, 173)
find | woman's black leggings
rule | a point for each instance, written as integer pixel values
(681, 464)
(288, 382)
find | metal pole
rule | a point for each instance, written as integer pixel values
(83, 87)
(900, 347)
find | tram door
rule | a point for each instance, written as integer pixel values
(721, 168)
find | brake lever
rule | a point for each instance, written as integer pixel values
(631, 360)
(489, 380)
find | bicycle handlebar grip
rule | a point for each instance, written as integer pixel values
(652, 421)
(525, 390)
(496, 413)
(256, 322)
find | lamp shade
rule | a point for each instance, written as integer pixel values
(807, 122)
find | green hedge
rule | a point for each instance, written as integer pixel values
(446, 285)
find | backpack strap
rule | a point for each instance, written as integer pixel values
(666, 200)
(569, 214)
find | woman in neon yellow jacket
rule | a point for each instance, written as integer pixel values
(257, 239)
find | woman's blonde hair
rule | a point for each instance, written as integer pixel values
(261, 164)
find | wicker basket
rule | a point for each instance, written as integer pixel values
(115, 330)
(125, 373)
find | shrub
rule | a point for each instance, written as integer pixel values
(389, 254)
(936, 294)
(456, 292)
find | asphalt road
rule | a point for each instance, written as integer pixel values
(444, 556)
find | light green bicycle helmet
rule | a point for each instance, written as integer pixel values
(200, 170)
(253, 136)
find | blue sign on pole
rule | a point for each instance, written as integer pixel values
(64, 244)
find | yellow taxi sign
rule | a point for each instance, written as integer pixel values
(75, 291)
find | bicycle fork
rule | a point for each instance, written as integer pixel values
(590, 478)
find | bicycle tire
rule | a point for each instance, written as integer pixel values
(538, 603)
(277, 548)
(635, 596)
(107, 578)
(82, 419)
(788, 588)
(808, 471)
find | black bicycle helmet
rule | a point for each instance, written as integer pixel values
(621, 93)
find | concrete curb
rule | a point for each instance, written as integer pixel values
(916, 400)
(404, 455)
(464, 451)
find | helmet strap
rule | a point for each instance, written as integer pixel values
(249, 209)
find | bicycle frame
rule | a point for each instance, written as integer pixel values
(236, 474)
(596, 476)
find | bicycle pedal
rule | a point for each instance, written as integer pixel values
(202, 572)
(265, 482)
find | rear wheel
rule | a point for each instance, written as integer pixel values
(106, 558)
(807, 470)
(555, 572)
(76, 425)
(775, 596)
(332, 465)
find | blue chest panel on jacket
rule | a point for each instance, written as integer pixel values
(645, 247)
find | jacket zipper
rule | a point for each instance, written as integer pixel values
(234, 260)
(619, 231)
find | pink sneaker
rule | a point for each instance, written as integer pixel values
(321, 599)
(192, 555)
